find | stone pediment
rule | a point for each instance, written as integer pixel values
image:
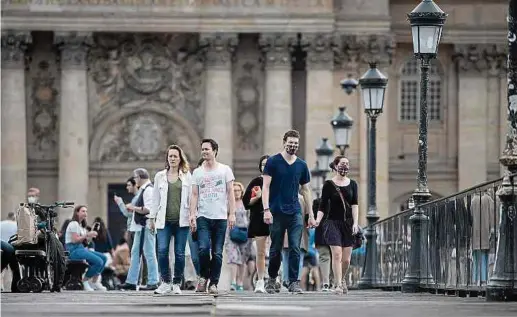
(169, 15)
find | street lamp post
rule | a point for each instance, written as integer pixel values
(427, 21)
(373, 88)
(323, 155)
(342, 126)
(503, 283)
(342, 123)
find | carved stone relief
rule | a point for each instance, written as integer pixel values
(277, 49)
(319, 50)
(43, 78)
(132, 70)
(355, 51)
(474, 58)
(248, 83)
(142, 136)
(14, 44)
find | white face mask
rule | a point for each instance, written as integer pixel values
(32, 200)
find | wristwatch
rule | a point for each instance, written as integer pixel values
(266, 209)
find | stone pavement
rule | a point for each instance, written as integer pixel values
(357, 303)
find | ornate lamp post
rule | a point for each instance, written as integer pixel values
(342, 123)
(373, 88)
(323, 156)
(503, 283)
(427, 21)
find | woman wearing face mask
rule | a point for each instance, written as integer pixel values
(339, 209)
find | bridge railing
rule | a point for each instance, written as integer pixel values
(460, 241)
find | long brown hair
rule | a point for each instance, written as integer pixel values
(76, 218)
(184, 165)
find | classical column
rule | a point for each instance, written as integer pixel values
(472, 114)
(278, 104)
(218, 94)
(13, 122)
(320, 86)
(73, 180)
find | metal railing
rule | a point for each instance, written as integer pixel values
(460, 242)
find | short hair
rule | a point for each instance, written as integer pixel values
(142, 173)
(131, 180)
(291, 134)
(213, 144)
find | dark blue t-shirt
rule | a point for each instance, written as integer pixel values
(285, 183)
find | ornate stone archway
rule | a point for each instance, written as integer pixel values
(142, 134)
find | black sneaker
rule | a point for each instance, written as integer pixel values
(271, 286)
(295, 288)
(127, 287)
(149, 287)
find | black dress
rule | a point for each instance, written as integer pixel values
(257, 227)
(335, 228)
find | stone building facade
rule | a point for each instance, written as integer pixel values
(92, 89)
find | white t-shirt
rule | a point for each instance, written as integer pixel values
(213, 196)
(73, 227)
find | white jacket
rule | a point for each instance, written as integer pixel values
(161, 189)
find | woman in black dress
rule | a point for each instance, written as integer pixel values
(257, 229)
(338, 215)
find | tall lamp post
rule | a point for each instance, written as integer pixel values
(323, 156)
(342, 123)
(427, 21)
(503, 283)
(373, 87)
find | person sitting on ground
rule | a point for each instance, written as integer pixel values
(76, 237)
(121, 260)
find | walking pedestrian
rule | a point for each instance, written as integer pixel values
(170, 216)
(338, 215)
(212, 210)
(284, 173)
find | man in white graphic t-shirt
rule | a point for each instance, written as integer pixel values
(212, 196)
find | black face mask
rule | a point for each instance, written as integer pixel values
(343, 170)
(291, 149)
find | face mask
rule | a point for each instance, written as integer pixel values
(32, 200)
(291, 149)
(342, 170)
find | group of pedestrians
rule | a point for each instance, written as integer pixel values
(208, 209)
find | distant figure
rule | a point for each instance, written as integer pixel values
(8, 227)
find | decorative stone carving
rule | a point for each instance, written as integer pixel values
(249, 97)
(219, 48)
(474, 58)
(353, 51)
(277, 49)
(141, 136)
(132, 70)
(14, 45)
(74, 48)
(320, 54)
(44, 110)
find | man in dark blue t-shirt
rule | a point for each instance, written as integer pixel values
(284, 173)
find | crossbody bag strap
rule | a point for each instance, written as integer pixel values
(345, 204)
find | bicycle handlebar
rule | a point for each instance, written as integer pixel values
(62, 204)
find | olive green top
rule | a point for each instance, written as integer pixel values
(172, 212)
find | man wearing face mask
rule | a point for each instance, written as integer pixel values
(33, 195)
(284, 173)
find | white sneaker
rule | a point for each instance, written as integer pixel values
(87, 287)
(98, 286)
(176, 289)
(163, 289)
(259, 287)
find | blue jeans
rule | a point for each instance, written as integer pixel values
(163, 238)
(194, 253)
(149, 248)
(211, 234)
(294, 226)
(95, 259)
(285, 265)
(480, 259)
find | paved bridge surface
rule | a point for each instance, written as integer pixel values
(356, 303)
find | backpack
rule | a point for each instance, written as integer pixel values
(27, 222)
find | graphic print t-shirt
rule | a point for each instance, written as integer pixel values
(213, 197)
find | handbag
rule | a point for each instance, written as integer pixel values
(239, 235)
(359, 235)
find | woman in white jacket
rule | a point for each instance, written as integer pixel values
(169, 215)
